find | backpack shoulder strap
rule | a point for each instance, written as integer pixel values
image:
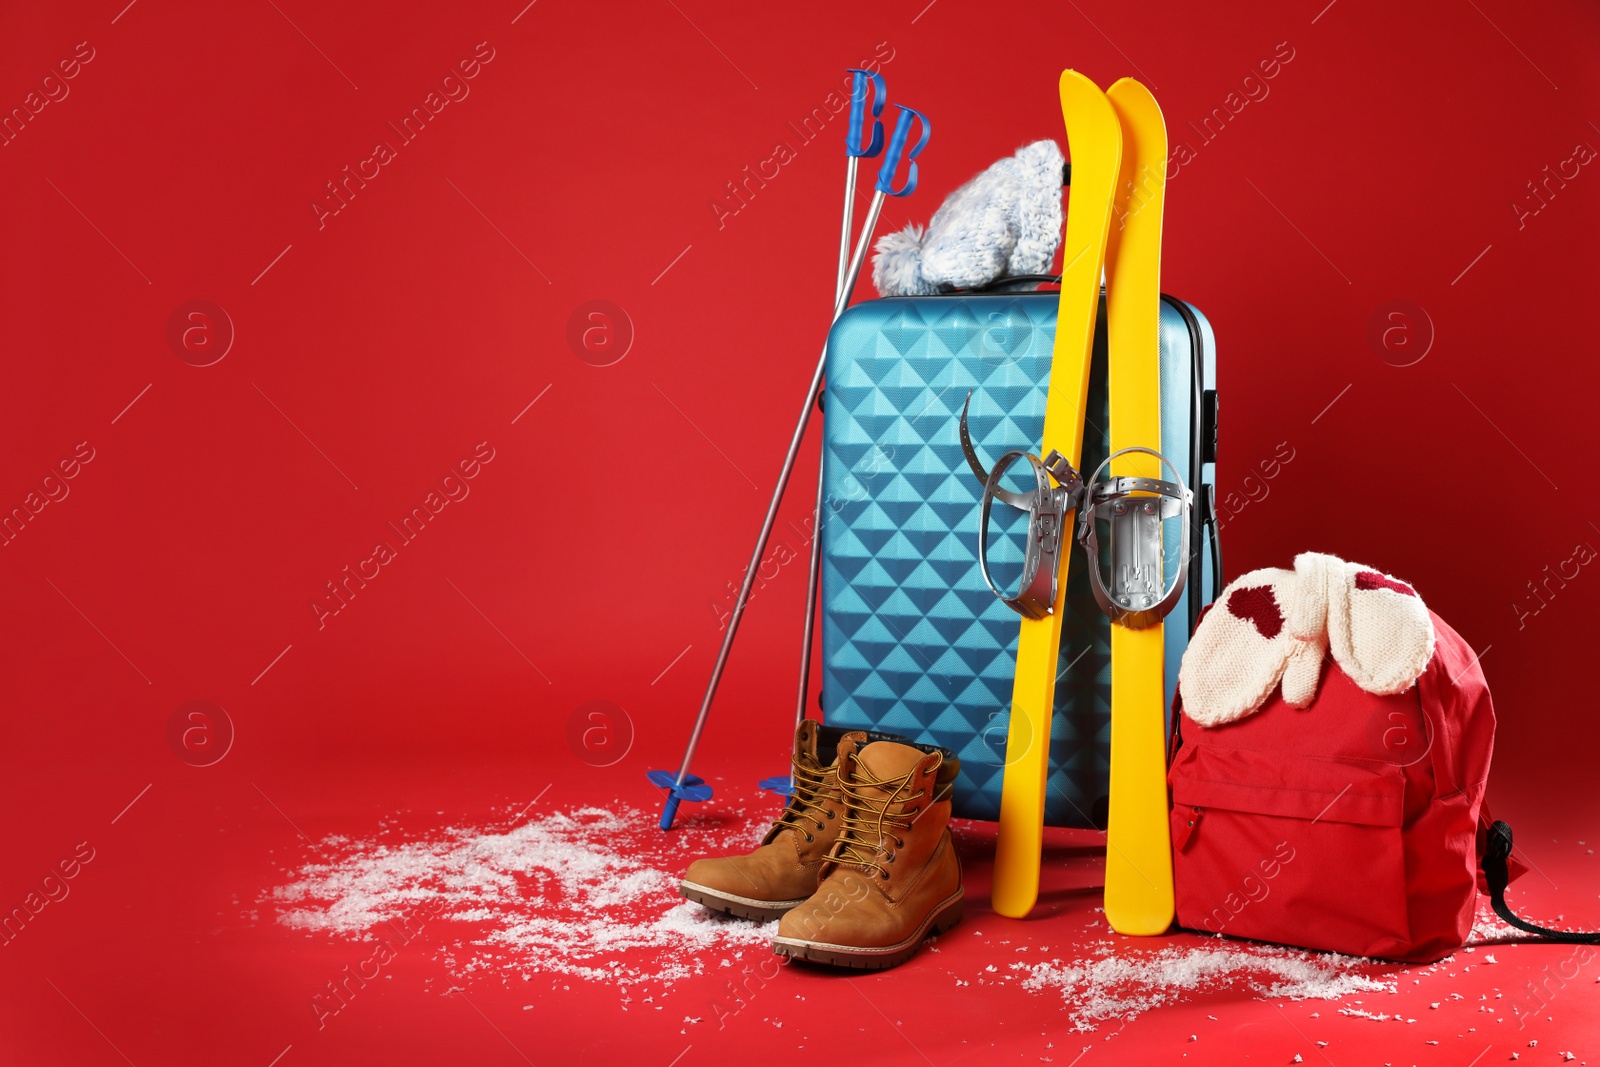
(1496, 872)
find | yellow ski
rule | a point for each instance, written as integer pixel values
(1138, 889)
(1094, 140)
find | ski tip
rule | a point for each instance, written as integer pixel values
(1126, 93)
(1094, 133)
(1071, 79)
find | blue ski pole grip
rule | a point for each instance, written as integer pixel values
(897, 145)
(858, 113)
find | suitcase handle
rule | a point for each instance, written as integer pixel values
(1010, 280)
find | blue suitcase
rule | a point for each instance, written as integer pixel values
(913, 642)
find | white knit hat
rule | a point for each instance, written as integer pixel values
(1276, 625)
(1005, 221)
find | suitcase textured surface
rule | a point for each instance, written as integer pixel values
(913, 641)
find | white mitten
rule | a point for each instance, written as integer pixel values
(1275, 625)
(1379, 629)
(1304, 671)
(1306, 616)
(1315, 575)
(1240, 649)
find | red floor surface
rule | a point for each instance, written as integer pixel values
(230, 367)
(170, 948)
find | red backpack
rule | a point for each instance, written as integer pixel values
(1334, 802)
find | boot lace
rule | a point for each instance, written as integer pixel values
(806, 802)
(869, 824)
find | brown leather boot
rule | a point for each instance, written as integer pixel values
(892, 878)
(783, 872)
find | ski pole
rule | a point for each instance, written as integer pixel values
(813, 571)
(854, 152)
(685, 786)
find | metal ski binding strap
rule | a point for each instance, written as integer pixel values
(1047, 506)
(1136, 598)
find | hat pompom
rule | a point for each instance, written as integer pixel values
(897, 268)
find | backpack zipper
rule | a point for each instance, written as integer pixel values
(1186, 831)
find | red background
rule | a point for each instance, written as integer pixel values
(374, 352)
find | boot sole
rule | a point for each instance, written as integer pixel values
(733, 904)
(942, 918)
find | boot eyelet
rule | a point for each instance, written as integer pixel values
(809, 838)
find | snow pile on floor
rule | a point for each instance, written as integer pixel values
(1125, 986)
(565, 893)
(1489, 929)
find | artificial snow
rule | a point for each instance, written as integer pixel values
(591, 894)
(1125, 986)
(565, 893)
